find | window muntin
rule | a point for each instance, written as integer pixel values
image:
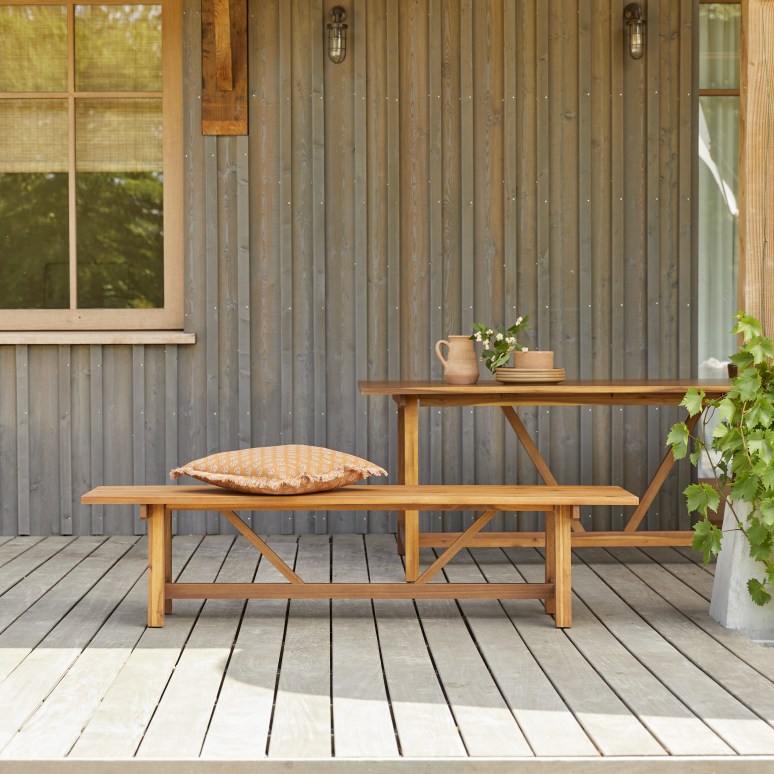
(90, 186)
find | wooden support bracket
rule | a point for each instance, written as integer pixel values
(224, 67)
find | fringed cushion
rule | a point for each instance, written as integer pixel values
(291, 469)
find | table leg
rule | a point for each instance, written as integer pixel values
(656, 483)
(561, 559)
(157, 573)
(408, 458)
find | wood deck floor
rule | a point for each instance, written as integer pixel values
(643, 674)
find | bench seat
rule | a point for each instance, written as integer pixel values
(560, 503)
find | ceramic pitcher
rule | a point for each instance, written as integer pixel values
(460, 365)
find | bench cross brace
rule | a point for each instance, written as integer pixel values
(264, 549)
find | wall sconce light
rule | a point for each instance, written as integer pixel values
(635, 30)
(337, 35)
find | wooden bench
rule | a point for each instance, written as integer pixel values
(561, 504)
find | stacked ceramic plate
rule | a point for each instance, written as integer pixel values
(526, 375)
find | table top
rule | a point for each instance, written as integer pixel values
(568, 392)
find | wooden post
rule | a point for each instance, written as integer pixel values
(756, 162)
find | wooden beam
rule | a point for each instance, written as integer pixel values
(224, 67)
(756, 163)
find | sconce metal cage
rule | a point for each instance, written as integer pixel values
(635, 30)
(337, 35)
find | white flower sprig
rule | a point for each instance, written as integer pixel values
(498, 344)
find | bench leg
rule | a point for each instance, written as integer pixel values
(559, 564)
(550, 559)
(157, 570)
(412, 546)
(167, 556)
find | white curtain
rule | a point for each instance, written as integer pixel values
(718, 127)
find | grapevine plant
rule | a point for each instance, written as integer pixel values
(741, 453)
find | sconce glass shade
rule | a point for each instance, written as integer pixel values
(337, 35)
(635, 30)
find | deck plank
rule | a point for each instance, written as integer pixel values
(694, 607)
(692, 674)
(82, 568)
(301, 727)
(400, 674)
(362, 722)
(21, 565)
(678, 729)
(696, 558)
(689, 573)
(239, 728)
(55, 727)
(426, 726)
(116, 729)
(486, 724)
(717, 656)
(48, 587)
(114, 567)
(11, 547)
(180, 722)
(548, 724)
(612, 726)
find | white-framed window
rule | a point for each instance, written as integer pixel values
(90, 165)
(718, 184)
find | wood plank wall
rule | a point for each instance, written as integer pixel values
(470, 160)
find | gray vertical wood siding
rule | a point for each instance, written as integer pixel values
(470, 160)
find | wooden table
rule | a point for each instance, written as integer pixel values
(410, 395)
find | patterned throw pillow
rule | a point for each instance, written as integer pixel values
(291, 469)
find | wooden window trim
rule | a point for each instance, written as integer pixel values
(171, 316)
(719, 92)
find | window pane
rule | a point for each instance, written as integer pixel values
(718, 234)
(119, 134)
(33, 241)
(120, 240)
(33, 135)
(719, 35)
(34, 38)
(118, 48)
(33, 204)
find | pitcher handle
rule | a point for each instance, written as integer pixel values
(438, 350)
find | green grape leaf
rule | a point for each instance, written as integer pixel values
(760, 414)
(745, 487)
(757, 533)
(749, 384)
(767, 477)
(742, 359)
(698, 449)
(758, 592)
(701, 498)
(678, 440)
(760, 348)
(767, 511)
(747, 325)
(693, 401)
(707, 539)
(727, 409)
